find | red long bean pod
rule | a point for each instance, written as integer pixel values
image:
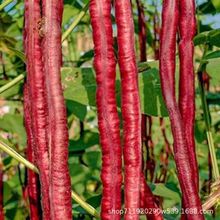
(108, 121)
(146, 196)
(33, 190)
(187, 28)
(130, 107)
(36, 87)
(60, 186)
(33, 179)
(167, 74)
(148, 202)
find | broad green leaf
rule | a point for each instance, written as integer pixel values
(206, 8)
(7, 161)
(213, 69)
(150, 93)
(15, 90)
(204, 27)
(85, 57)
(87, 140)
(213, 98)
(216, 4)
(13, 30)
(213, 54)
(163, 191)
(7, 192)
(92, 159)
(80, 86)
(68, 13)
(208, 37)
(20, 22)
(214, 38)
(201, 38)
(79, 174)
(13, 123)
(94, 200)
(77, 109)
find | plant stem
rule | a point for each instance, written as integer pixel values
(5, 3)
(84, 205)
(213, 197)
(75, 22)
(31, 166)
(207, 119)
(213, 155)
(17, 156)
(211, 201)
(12, 83)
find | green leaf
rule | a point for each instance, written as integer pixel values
(92, 159)
(213, 98)
(200, 131)
(165, 192)
(201, 38)
(77, 109)
(68, 13)
(150, 93)
(207, 8)
(20, 22)
(216, 4)
(87, 140)
(13, 123)
(88, 55)
(78, 176)
(214, 37)
(203, 27)
(213, 69)
(80, 86)
(213, 54)
(94, 201)
(208, 37)
(14, 90)
(7, 192)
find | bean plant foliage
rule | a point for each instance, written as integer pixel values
(78, 81)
